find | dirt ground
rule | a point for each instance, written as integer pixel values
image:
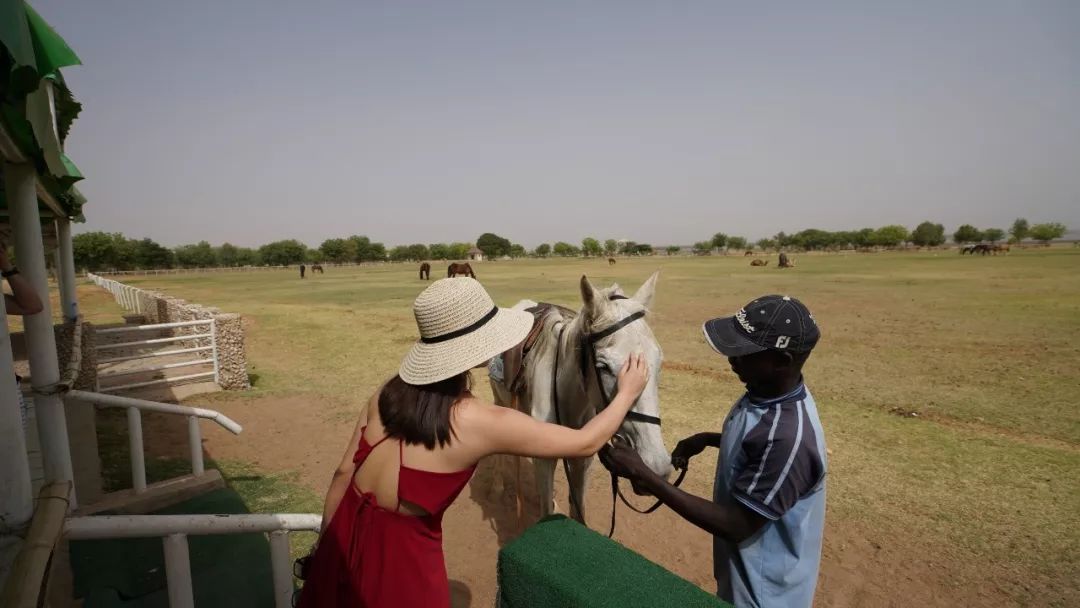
(479, 522)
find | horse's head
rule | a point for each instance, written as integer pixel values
(603, 309)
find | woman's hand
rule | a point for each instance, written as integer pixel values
(633, 376)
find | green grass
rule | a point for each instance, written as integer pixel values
(986, 477)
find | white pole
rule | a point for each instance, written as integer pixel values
(65, 270)
(16, 499)
(195, 442)
(20, 181)
(178, 571)
(279, 567)
(135, 443)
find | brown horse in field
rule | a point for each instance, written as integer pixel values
(759, 262)
(317, 268)
(611, 261)
(455, 269)
(748, 252)
(425, 271)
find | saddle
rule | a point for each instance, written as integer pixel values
(513, 360)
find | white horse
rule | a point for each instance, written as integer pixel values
(579, 394)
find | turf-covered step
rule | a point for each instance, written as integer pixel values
(559, 562)
(230, 570)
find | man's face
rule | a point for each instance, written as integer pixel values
(759, 369)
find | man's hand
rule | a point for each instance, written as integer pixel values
(624, 462)
(688, 448)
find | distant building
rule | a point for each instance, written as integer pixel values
(476, 255)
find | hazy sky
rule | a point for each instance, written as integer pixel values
(663, 122)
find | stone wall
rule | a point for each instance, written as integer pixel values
(81, 418)
(156, 307)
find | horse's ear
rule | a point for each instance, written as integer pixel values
(588, 292)
(644, 294)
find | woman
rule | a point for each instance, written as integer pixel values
(416, 446)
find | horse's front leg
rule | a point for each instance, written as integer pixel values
(545, 484)
(579, 468)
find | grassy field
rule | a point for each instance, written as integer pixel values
(946, 384)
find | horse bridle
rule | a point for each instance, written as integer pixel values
(588, 357)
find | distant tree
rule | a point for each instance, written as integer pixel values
(314, 256)
(720, 240)
(149, 254)
(993, 234)
(643, 249)
(928, 234)
(459, 251)
(736, 242)
(439, 251)
(811, 239)
(246, 256)
(766, 244)
(611, 246)
(399, 253)
(967, 234)
(1047, 232)
(102, 251)
(543, 250)
(628, 248)
(282, 253)
(891, 236)
(493, 245)
(517, 251)
(1020, 230)
(703, 247)
(337, 251)
(418, 252)
(200, 255)
(564, 249)
(591, 246)
(226, 254)
(673, 249)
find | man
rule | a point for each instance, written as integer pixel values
(302, 269)
(767, 513)
(23, 300)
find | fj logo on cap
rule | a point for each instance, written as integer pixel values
(741, 318)
(783, 341)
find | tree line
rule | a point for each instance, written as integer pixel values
(926, 234)
(96, 251)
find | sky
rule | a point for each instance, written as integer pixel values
(664, 122)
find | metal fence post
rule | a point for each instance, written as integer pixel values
(178, 571)
(135, 442)
(195, 441)
(282, 573)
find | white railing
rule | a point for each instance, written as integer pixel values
(174, 530)
(135, 407)
(210, 334)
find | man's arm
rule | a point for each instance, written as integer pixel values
(732, 522)
(25, 300)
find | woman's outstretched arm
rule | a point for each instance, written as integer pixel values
(507, 431)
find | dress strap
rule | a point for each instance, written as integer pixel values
(401, 465)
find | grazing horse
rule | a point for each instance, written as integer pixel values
(425, 271)
(759, 262)
(1002, 249)
(317, 268)
(748, 252)
(611, 261)
(982, 249)
(455, 269)
(967, 249)
(572, 363)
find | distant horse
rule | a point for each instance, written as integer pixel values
(425, 271)
(748, 252)
(611, 261)
(786, 262)
(455, 269)
(1002, 249)
(967, 249)
(759, 262)
(317, 268)
(981, 249)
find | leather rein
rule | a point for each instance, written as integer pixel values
(588, 358)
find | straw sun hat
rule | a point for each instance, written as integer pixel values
(460, 328)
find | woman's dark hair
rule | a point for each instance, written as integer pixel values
(420, 413)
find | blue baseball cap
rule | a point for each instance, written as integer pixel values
(771, 322)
